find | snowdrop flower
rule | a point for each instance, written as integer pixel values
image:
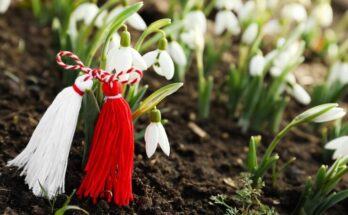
(160, 60)
(332, 51)
(229, 4)
(124, 57)
(272, 27)
(333, 114)
(4, 5)
(115, 41)
(194, 39)
(339, 72)
(323, 14)
(196, 20)
(339, 145)
(300, 94)
(177, 53)
(86, 13)
(226, 20)
(257, 65)
(294, 12)
(156, 135)
(250, 34)
(287, 57)
(134, 20)
(246, 11)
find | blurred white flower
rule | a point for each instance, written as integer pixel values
(250, 34)
(193, 38)
(287, 57)
(196, 20)
(4, 5)
(294, 12)
(340, 147)
(86, 13)
(338, 72)
(177, 53)
(257, 65)
(300, 94)
(246, 11)
(332, 114)
(155, 135)
(228, 4)
(134, 20)
(226, 20)
(124, 57)
(272, 27)
(323, 14)
(332, 51)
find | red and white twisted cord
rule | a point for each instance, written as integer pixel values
(99, 74)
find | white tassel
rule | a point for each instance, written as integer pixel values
(44, 160)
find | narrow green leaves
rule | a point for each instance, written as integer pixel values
(154, 27)
(155, 98)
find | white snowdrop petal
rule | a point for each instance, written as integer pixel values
(344, 73)
(4, 5)
(323, 14)
(151, 139)
(294, 12)
(114, 13)
(163, 139)
(246, 11)
(232, 23)
(275, 71)
(333, 114)
(272, 27)
(300, 94)
(188, 38)
(334, 74)
(119, 59)
(138, 60)
(250, 34)
(150, 57)
(177, 53)
(220, 23)
(166, 64)
(158, 70)
(337, 143)
(257, 65)
(196, 19)
(137, 22)
(115, 42)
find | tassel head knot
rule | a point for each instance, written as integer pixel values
(83, 83)
(112, 89)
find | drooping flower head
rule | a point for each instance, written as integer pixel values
(124, 57)
(155, 135)
(160, 60)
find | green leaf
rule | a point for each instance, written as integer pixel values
(252, 153)
(62, 210)
(331, 201)
(155, 98)
(135, 100)
(90, 116)
(320, 177)
(154, 27)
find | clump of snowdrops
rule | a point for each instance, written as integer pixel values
(99, 35)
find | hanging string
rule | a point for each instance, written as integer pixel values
(101, 75)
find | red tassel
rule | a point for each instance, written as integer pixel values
(110, 164)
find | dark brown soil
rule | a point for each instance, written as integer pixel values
(182, 183)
